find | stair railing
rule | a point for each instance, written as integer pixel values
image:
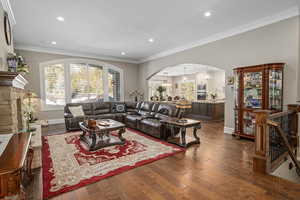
(276, 138)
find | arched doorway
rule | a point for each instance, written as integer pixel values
(202, 85)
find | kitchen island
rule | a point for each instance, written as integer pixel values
(210, 110)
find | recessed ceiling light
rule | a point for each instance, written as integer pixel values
(123, 53)
(61, 19)
(53, 42)
(151, 40)
(207, 14)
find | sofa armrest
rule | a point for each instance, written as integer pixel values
(131, 113)
(151, 117)
(68, 115)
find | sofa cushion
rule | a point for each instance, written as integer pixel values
(134, 118)
(130, 105)
(76, 111)
(165, 111)
(119, 108)
(87, 107)
(145, 109)
(151, 122)
(101, 108)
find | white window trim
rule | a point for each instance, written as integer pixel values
(66, 63)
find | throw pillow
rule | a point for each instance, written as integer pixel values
(76, 111)
(119, 108)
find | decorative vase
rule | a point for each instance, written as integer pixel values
(92, 123)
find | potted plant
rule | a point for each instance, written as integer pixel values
(213, 95)
(161, 90)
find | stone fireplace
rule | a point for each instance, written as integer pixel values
(11, 102)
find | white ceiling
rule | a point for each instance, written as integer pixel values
(107, 27)
(186, 69)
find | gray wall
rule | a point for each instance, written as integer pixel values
(278, 42)
(4, 49)
(33, 59)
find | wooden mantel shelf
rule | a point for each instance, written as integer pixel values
(12, 79)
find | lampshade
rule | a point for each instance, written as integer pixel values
(183, 104)
(30, 95)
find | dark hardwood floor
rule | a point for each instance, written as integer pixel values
(219, 168)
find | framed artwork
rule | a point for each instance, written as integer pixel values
(230, 80)
(7, 29)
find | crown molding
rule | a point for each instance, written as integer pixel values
(292, 12)
(7, 7)
(72, 53)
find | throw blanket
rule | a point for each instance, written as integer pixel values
(4, 139)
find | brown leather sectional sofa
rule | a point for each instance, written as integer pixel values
(143, 116)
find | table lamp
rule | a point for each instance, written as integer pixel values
(183, 105)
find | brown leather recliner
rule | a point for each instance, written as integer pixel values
(144, 110)
(152, 126)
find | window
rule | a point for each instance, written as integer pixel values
(86, 82)
(79, 80)
(113, 85)
(55, 85)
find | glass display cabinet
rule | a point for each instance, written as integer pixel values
(256, 87)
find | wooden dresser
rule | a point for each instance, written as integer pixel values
(15, 166)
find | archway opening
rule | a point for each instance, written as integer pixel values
(202, 85)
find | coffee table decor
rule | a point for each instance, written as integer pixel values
(97, 133)
(68, 165)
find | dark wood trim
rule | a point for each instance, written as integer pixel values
(269, 65)
(265, 70)
(13, 163)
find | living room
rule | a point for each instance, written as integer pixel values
(123, 100)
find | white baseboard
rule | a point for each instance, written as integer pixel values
(55, 121)
(228, 130)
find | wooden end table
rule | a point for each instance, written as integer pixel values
(174, 123)
(100, 136)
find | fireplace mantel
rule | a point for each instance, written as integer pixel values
(12, 79)
(12, 94)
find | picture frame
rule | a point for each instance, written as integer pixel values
(230, 80)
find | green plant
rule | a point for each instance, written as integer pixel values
(161, 90)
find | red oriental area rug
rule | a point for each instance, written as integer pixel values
(67, 165)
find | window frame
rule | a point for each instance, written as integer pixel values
(67, 74)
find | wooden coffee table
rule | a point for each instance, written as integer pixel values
(100, 136)
(173, 123)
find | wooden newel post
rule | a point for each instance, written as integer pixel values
(294, 124)
(261, 159)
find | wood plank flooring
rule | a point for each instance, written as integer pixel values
(219, 168)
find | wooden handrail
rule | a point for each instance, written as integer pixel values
(272, 123)
(264, 159)
(287, 144)
(281, 114)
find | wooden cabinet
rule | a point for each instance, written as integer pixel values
(256, 87)
(15, 166)
(206, 110)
